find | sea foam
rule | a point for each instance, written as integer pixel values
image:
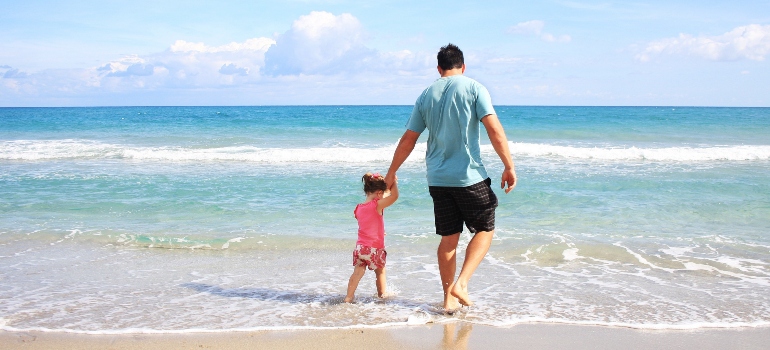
(36, 150)
(675, 154)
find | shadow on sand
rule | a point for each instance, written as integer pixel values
(299, 296)
(263, 294)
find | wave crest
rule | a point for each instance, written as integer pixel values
(676, 154)
(36, 150)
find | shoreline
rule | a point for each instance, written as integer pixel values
(453, 335)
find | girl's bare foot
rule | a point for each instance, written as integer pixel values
(348, 300)
(461, 293)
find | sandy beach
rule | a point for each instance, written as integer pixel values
(458, 335)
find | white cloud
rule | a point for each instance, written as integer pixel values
(127, 66)
(551, 38)
(255, 44)
(535, 28)
(530, 27)
(187, 64)
(319, 42)
(232, 69)
(320, 50)
(12, 73)
(746, 42)
(506, 60)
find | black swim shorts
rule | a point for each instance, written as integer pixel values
(473, 205)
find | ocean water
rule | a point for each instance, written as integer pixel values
(185, 219)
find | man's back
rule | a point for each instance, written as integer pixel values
(451, 109)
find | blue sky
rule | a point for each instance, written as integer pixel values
(96, 53)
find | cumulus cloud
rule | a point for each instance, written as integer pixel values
(529, 27)
(232, 69)
(746, 42)
(535, 28)
(127, 66)
(318, 51)
(198, 64)
(319, 42)
(255, 45)
(137, 69)
(13, 73)
(187, 64)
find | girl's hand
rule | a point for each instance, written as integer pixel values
(390, 199)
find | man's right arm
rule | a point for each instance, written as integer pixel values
(403, 150)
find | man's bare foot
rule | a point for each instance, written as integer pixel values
(348, 300)
(450, 307)
(450, 303)
(461, 293)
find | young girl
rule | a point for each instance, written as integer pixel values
(370, 247)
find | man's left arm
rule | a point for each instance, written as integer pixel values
(499, 142)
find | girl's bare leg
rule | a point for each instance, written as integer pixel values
(381, 282)
(358, 272)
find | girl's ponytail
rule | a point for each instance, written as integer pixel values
(373, 182)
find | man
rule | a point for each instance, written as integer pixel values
(452, 109)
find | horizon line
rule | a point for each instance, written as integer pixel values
(379, 105)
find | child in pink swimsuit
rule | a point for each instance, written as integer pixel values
(370, 247)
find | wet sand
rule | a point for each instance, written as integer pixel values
(459, 335)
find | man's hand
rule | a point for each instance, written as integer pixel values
(390, 179)
(509, 178)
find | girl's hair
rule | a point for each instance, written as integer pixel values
(373, 182)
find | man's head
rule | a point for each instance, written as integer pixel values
(450, 57)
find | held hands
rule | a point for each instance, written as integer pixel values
(509, 178)
(391, 179)
(392, 186)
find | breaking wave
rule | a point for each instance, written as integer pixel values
(41, 150)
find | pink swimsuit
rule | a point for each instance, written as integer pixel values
(370, 247)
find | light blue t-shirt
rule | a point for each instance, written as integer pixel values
(451, 109)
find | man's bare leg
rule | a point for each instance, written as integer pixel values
(458, 341)
(447, 266)
(448, 341)
(477, 249)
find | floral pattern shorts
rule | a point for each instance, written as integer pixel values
(372, 258)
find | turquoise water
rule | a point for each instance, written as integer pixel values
(175, 219)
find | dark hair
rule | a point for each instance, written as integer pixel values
(373, 183)
(450, 57)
